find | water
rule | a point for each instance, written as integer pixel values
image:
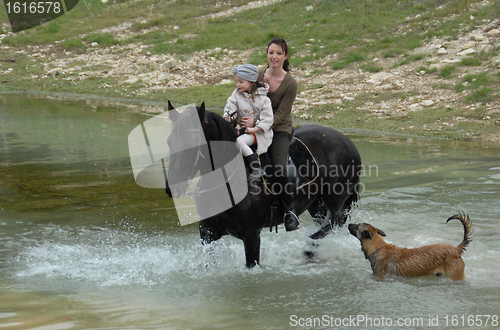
(83, 247)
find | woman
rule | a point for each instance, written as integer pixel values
(282, 92)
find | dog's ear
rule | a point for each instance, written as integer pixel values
(366, 234)
(381, 233)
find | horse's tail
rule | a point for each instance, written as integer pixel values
(464, 219)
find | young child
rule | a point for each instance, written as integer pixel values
(249, 99)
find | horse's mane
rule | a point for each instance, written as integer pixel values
(225, 129)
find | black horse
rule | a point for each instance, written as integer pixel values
(328, 198)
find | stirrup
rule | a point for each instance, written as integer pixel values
(293, 220)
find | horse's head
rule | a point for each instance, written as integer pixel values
(189, 145)
(184, 147)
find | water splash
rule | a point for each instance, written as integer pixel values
(110, 257)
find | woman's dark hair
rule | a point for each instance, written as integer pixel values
(282, 43)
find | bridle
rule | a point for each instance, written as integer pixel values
(200, 156)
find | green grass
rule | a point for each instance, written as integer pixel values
(372, 68)
(410, 58)
(447, 71)
(73, 43)
(480, 84)
(347, 60)
(480, 95)
(103, 39)
(470, 61)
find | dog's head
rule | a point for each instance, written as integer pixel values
(369, 236)
(364, 231)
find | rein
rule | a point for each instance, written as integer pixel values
(200, 154)
(229, 177)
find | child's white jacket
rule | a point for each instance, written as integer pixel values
(260, 108)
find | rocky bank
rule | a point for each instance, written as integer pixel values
(320, 85)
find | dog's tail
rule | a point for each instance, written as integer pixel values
(464, 219)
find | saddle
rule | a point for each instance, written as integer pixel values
(301, 166)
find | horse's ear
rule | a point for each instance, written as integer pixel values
(201, 112)
(173, 114)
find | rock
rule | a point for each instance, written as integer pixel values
(478, 37)
(384, 87)
(170, 64)
(466, 46)
(466, 52)
(131, 80)
(436, 66)
(381, 76)
(348, 98)
(299, 108)
(427, 103)
(94, 44)
(442, 51)
(493, 32)
(450, 61)
(414, 107)
(226, 82)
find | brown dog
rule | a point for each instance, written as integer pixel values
(437, 259)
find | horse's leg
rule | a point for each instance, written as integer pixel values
(251, 241)
(334, 205)
(318, 211)
(331, 212)
(209, 233)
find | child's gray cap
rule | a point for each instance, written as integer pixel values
(247, 71)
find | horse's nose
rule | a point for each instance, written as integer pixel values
(176, 190)
(168, 191)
